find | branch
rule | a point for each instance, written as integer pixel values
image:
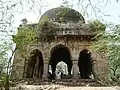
(9, 62)
(92, 7)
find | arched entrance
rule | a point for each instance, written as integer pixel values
(35, 65)
(85, 64)
(60, 53)
(61, 70)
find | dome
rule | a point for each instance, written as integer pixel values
(63, 14)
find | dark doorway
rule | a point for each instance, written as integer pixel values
(35, 65)
(84, 64)
(60, 53)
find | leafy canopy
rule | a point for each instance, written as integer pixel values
(25, 36)
(100, 42)
(108, 44)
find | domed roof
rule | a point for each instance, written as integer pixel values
(63, 14)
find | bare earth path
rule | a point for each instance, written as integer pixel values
(63, 85)
(60, 87)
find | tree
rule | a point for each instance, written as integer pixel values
(108, 44)
(8, 10)
(5, 53)
(100, 42)
(25, 36)
(114, 50)
(3, 57)
(114, 58)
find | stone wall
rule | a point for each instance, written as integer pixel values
(18, 66)
(74, 46)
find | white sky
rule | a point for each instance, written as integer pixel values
(111, 11)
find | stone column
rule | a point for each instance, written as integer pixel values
(45, 70)
(75, 69)
(25, 68)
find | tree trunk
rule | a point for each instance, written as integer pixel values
(8, 71)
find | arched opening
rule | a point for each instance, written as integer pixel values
(35, 65)
(60, 53)
(85, 64)
(61, 70)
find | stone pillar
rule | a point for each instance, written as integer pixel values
(25, 68)
(45, 70)
(75, 69)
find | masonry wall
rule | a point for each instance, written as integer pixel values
(74, 46)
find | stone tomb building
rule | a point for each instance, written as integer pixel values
(68, 41)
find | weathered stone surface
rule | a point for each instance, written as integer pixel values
(74, 43)
(100, 66)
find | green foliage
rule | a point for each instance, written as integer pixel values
(108, 44)
(63, 14)
(101, 45)
(114, 58)
(24, 37)
(45, 27)
(4, 48)
(5, 60)
(114, 51)
(2, 80)
(100, 42)
(97, 26)
(43, 20)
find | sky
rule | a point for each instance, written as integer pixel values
(109, 12)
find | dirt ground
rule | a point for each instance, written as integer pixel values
(58, 87)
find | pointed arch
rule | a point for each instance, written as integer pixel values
(60, 53)
(84, 64)
(35, 64)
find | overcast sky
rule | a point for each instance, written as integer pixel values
(108, 11)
